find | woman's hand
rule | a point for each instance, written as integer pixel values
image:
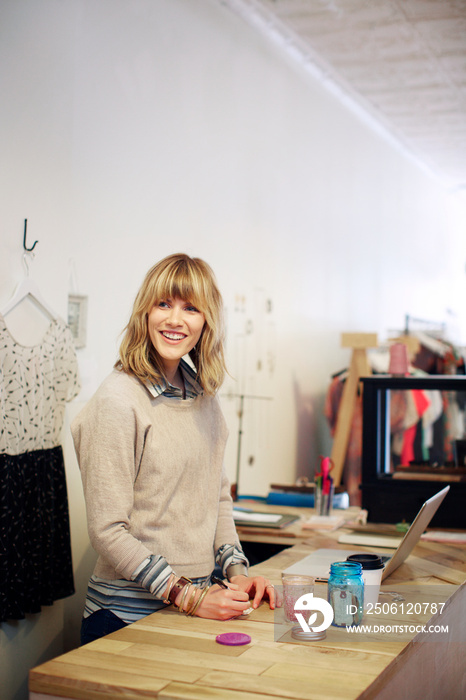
(257, 587)
(223, 603)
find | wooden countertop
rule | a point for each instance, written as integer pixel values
(171, 656)
(168, 655)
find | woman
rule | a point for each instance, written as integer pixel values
(150, 447)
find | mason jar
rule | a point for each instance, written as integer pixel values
(346, 593)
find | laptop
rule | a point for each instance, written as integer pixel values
(318, 563)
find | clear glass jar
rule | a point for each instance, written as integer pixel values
(346, 593)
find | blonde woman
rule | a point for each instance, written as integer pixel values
(150, 447)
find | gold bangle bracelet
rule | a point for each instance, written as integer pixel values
(195, 603)
(183, 597)
(199, 600)
(191, 600)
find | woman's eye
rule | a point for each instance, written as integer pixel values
(163, 305)
(190, 307)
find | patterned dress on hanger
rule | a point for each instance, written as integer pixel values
(35, 550)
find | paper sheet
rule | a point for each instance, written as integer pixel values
(244, 515)
(441, 536)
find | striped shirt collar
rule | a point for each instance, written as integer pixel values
(192, 386)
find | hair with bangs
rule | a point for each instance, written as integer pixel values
(190, 279)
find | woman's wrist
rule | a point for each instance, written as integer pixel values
(174, 595)
(190, 598)
(236, 570)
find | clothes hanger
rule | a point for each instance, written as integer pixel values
(27, 287)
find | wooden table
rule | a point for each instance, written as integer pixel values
(171, 656)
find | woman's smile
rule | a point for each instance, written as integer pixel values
(173, 336)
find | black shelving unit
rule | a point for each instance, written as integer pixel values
(389, 499)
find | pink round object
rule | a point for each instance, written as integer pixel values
(398, 359)
(233, 639)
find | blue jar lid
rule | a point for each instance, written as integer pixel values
(346, 568)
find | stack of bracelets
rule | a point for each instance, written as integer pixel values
(184, 584)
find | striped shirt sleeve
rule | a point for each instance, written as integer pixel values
(153, 574)
(229, 554)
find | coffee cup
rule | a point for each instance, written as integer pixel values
(372, 570)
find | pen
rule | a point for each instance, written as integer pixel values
(218, 581)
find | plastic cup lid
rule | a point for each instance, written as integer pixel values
(233, 639)
(367, 561)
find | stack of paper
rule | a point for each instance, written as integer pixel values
(443, 536)
(247, 518)
(256, 518)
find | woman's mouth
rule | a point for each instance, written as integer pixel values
(173, 336)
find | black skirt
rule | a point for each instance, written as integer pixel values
(35, 548)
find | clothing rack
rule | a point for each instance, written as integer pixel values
(432, 327)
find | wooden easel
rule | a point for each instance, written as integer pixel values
(359, 367)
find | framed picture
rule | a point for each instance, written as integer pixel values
(77, 318)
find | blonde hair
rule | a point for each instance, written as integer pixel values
(190, 279)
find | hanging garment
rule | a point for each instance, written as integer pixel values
(420, 403)
(35, 550)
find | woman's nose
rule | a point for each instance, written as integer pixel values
(174, 316)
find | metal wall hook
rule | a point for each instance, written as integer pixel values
(24, 238)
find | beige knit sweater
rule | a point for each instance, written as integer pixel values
(152, 470)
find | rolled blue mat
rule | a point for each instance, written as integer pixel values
(304, 500)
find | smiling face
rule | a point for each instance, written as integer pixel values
(175, 326)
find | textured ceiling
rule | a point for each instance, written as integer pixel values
(400, 62)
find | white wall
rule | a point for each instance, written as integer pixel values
(136, 128)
